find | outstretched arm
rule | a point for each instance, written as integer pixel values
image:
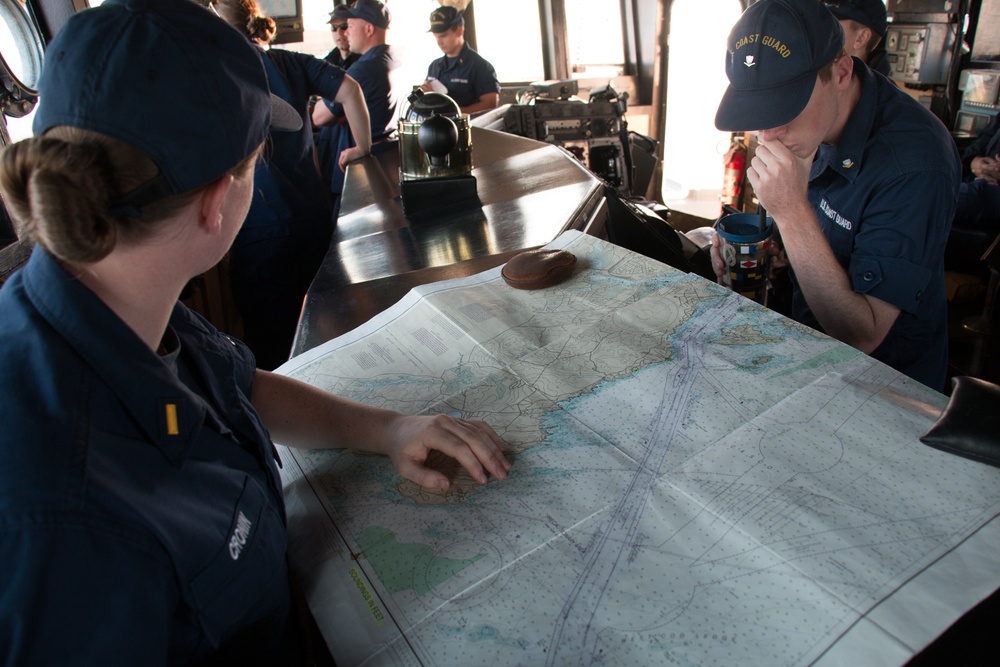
(300, 415)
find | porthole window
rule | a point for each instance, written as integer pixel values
(20, 67)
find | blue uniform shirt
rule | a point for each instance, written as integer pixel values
(328, 139)
(289, 197)
(468, 76)
(373, 72)
(141, 516)
(978, 199)
(986, 144)
(884, 196)
(287, 188)
(335, 57)
(878, 62)
(289, 226)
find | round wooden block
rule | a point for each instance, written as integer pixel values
(536, 269)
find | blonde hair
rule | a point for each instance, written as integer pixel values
(247, 17)
(60, 188)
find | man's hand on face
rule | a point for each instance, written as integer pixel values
(779, 178)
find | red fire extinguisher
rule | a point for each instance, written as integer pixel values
(732, 180)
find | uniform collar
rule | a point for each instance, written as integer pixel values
(166, 411)
(374, 52)
(461, 57)
(846, 155)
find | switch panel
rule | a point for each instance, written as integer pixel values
(920, 53)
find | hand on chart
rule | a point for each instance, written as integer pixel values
(471, 442)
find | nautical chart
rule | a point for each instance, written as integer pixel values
(697, 480)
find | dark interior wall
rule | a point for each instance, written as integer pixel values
(555, 49)
(52, 14)
(986, 32)
(641, 21)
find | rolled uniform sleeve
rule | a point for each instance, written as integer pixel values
(326, 78)
(905, 225)
(336, 108)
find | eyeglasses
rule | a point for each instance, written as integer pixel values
(338, 26)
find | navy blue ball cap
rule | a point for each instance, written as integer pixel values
(372, 11)
(340, 13)
(773, 55)
(866, 12)
(169, 78)
(445, 18)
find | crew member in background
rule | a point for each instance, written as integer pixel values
(860, 179)
(367, 22)
(864, 23)
(288, 229)
(327, 138)
(979, 196)
(341, 55)
(466, 76)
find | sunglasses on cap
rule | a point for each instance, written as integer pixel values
(338, 26)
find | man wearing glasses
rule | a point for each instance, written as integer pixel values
(367, 22)
(341, 56)
(328, 136)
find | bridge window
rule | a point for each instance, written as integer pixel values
(594, 34)
(509, 35)
(696, 79)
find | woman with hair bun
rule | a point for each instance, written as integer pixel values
(290, 224)
(141, 511)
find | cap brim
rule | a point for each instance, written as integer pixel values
(284, 117)
(763, 109)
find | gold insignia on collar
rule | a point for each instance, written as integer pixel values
(847, 164)
(172, 426)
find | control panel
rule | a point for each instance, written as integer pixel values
(594, 132)
(980, 89)
(980, 92)
(920, 53)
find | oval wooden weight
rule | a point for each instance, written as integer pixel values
(535, 269)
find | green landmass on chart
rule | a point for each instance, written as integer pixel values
(407, 566)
